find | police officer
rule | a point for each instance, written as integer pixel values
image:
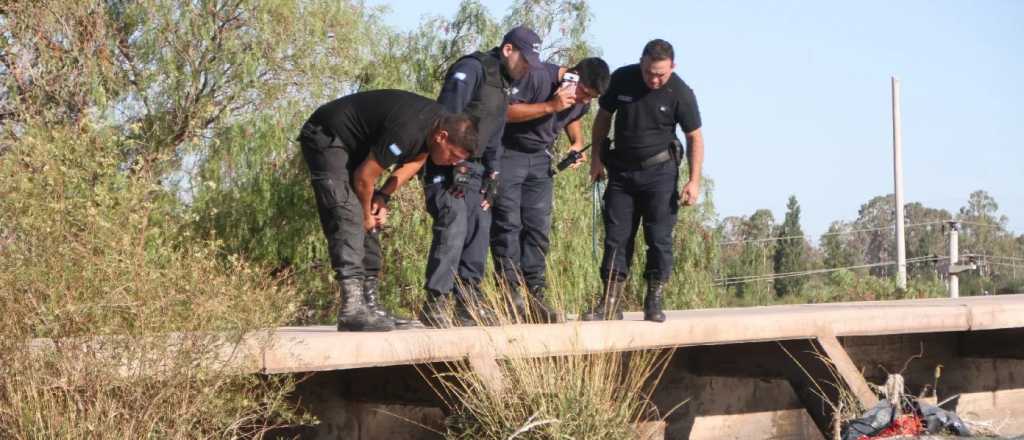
(544, 102)
(347, 144)
(648, 100)
(458, 197)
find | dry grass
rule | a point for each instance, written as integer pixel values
(592, 396)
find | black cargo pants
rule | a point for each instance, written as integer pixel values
(522, 218)
(353, 251)
(634, 197)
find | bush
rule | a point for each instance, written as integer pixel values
(93, 268)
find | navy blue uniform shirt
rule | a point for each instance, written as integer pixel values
(458, 90)
(539, 85)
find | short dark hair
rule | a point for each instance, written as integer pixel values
(461, 130)
(593, 73)
(658, 50)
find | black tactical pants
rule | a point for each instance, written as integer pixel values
(522, 218)
(458, 247)
(632, 198)
(353, 252)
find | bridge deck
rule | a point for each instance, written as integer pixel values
(320, 348)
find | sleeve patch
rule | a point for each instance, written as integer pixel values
(461, 76)
(395, 150)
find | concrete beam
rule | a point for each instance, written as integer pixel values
(321, 348)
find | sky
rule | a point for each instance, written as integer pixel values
(795, 95)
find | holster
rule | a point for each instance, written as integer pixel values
(676, 149)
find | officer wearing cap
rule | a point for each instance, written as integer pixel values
(347, 144)
(648, 101)
(458, 197)
(547, 100)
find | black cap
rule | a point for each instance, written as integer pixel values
(527, 41)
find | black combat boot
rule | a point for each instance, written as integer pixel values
(610, 307)
(370, 284)
(540, 308)
(652, 302)
(437, 310)
(353, 314)
(515, 307)
(471, 307)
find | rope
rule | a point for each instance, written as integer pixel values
(596, 207)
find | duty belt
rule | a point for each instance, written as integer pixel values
(657, 159)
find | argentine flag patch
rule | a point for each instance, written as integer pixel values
(460, 76)
(393, 148)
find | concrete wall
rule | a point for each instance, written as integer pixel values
(738, 391)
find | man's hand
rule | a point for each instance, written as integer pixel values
(582, 156)
(564, 98)
(690, 193)
(596, 170)
(460, 180)
(489, 190)
(379, 208)
(369, 222)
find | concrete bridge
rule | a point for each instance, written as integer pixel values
(731, 364)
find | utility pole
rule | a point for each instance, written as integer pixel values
(954, 259)
(897, 171)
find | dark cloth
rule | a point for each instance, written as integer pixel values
(393, 124)
(647, 196)
(522, 218)
(645, 120)
(353, 252)
(539, 85)
(460, 232)
(478, 86)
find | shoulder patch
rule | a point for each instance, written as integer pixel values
(625, 98)
(394, 149)
(461, 76)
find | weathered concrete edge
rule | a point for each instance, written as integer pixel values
(330, 351)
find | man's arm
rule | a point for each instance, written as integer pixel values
(575, 133)
(403, 174)
(563, 98)
(366, 177)
(695, 156)
(397, 179)
(599, 132)
(460, 86)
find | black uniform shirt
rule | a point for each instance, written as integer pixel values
(393, 124)
(645, 119)
(539, 85)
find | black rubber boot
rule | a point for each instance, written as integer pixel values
(652, 302)
(353, 315)
(610, 307)
(370, 286)
(437, 310)
(540, 308)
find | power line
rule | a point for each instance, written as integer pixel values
(855, 231)
(766, 277)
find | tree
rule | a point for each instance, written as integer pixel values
(789, 254)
